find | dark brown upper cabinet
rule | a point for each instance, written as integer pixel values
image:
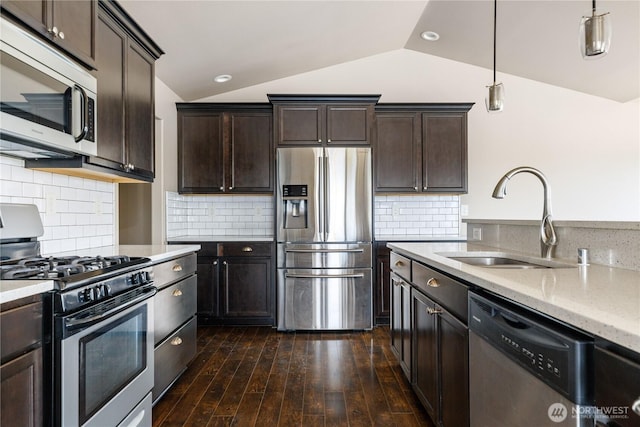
(323, 119)
(225, 148)
(421, 148)
(69, 24)
(126, 113)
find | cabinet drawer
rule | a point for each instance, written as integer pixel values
(174, 270)
(401, 266)
(449, 293)
(20, 329)
(172, 357)
(245, 249)
(173, 305)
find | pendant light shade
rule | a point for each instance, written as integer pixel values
(495, 98)
(595, 33)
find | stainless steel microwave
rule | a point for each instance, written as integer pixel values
(47, 102)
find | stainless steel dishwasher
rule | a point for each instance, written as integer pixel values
(526, 369)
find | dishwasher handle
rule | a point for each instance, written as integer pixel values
(518, 329)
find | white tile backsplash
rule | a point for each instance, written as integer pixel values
(219, 215)
(253, 215)
(77, 213)
(424, 215)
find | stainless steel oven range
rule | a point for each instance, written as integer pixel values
(100, 358)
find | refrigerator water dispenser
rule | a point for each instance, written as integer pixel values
(295, 200)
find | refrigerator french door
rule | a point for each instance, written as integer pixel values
(324, 233)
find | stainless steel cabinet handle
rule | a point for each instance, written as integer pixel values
(176, 293)
(328, 140)
(222, 188)
(176, 341)
(176, 268)
(53, 31)
(247, 249)
(230, 188)
(324, 276)
(635, 406)
(399, 264)
(424, 188)
(433, 310)
(320, 140)
(224, 263)
(61, 35)
(415, 188)
(397, 283)
(433, 282)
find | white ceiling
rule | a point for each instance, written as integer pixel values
(259, 41)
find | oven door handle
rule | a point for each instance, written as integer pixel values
(83, 322)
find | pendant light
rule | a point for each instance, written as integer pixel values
(495, 99)
(595, 33)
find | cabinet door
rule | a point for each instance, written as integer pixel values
(77, 20)
(247, 290)
(397, 152)
(110, 57)
(454, 371)
(21, 398)
(74, 20)
(250, 153)
(395, 326)
(200, 153)
(425, 353)
(299, 124)
(208, 288)
(444, 167)
(139, 110)
(349, 124)
(382, 285)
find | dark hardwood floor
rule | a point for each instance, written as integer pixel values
(256, 376)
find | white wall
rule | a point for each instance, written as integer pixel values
(588, 147)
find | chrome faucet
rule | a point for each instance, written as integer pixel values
(548, 238)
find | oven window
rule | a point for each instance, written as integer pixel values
(111, 358)
(32, 95)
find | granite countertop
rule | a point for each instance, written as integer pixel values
(11, 290)
(601, 300)
(195, 239)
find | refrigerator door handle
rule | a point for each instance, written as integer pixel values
(307, 251)
(325, 184)
(320, 197)
(323, 276)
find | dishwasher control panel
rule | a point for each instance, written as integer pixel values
(550, 350)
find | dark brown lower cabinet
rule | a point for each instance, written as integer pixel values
(236, 283)
(21, 389)
(400, 327)
(382, 284)
(21, 371)
(440, 362)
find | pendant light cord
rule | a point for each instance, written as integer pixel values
(495, 18)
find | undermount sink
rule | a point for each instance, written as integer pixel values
(503, 260)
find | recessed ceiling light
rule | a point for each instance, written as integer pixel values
(430, 36)
(222, 78)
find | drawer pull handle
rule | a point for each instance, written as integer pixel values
(433, 282)
(176, 341)
(398, 283)
(399, 264)
(177, 268)
(635, 407)
(433, 310)
(176, 293)
(247, 249)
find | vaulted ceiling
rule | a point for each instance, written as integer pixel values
(259, 41)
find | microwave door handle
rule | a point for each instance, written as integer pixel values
(84, 116)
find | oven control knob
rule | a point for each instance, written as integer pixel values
(106, 290)
(135, 279)
(87, 295)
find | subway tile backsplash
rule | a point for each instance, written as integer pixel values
(219, 215)
(77, 213)
(253, 215)
(418, 215)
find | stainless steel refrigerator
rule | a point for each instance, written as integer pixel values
(324, 233)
